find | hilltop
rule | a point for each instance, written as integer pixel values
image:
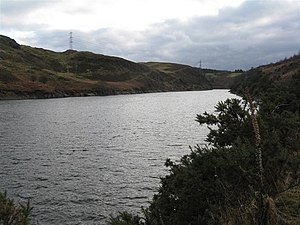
(28, 72)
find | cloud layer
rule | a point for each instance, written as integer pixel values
(253, 33)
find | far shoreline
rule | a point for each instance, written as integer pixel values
(30, 96)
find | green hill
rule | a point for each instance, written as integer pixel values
(27, 72)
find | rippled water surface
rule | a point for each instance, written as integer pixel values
(81, 159)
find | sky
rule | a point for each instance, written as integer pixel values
(222, 34)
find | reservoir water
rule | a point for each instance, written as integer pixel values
(81, 159)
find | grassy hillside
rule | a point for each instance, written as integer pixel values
(180, 74)
(261, 78)
(219, 79)
(223, 79)
(27, 72)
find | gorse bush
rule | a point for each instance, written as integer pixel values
(124, 218)
(12, 214)
(214, 177)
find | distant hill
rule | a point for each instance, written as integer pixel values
(27, 72)
(218, 79)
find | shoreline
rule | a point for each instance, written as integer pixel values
(43, 95)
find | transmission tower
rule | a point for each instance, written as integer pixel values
(200, 67)
(71, 41)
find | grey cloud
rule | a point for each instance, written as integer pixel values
(18, 8)
(236, 38)
(13, 14)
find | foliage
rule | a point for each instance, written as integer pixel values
(231, 121)
(12, 214)
(124, 218)
(214, 177)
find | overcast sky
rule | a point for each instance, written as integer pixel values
(223, 34)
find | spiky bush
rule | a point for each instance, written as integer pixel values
(13, 214)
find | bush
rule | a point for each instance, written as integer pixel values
(11, 214)
(124, 218)
(43, 79)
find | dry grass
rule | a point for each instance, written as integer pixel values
(284, 210)
(288, 205)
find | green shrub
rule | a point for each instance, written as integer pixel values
(12, 214)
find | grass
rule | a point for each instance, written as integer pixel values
(223, 74)
(288, 204)
(165, 67)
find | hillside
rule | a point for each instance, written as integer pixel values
(259, 79)
(27, 72)
(218, 79)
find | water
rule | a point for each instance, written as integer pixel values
(81, 159)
